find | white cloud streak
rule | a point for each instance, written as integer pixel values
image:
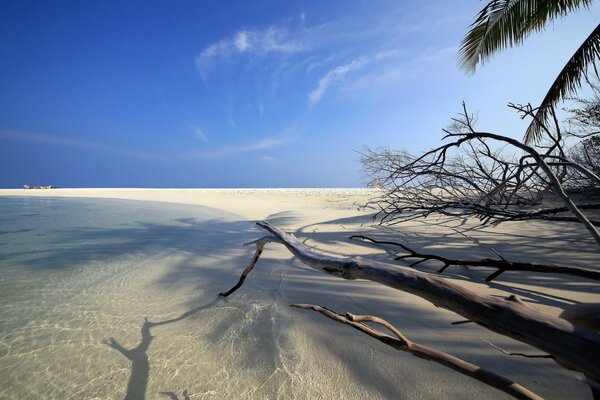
(268, 160)
(333, 76)
(390, 75)
(199, 133)
(266, 143)
(241, 41)
(337, 75)
(28, 137)
(282, 139)
(257, 42)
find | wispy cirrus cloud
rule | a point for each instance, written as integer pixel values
(333, 76)
(268, 160)
(388, 76)
(199, 133)
(223, 152)
(336, 75)
(287, 136)
(438, 54)
(286, 39)
(228, 151)
(275, 39)
(28, 137)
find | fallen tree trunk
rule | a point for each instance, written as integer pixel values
(571, 346)
(401, 342)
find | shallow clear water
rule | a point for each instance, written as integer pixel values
(78, 278)
(113, 299)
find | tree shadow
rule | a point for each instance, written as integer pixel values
(173, 395)
(140, 365)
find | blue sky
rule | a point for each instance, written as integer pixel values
(246, 94)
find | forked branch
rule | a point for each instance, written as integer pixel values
(500, 265)
(400, 342)
(572, 346)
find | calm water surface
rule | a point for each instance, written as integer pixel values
(79, 277)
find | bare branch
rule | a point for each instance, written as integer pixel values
(572, 346)
(402, 343)
(500, 265)
(478, 174)
(518, 354)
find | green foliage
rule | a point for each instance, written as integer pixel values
(506, 23)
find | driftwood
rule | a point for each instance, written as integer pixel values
(583, 314)
(401, 342)
(500, 265)
(571, 346)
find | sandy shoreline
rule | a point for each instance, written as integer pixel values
(308, 356)
(252, 204)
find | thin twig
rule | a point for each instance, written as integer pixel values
(518, 354)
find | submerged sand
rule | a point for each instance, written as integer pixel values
(164, 255)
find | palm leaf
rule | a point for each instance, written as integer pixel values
(506, 23)
(567, 81)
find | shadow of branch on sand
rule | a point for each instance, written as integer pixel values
(140, 365)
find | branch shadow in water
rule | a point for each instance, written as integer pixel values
(173, 395)
(140, 365)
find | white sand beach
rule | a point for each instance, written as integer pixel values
(165, 254)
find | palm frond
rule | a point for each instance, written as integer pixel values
(505, 23)
(567, 81)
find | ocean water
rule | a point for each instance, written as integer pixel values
(115, 299)
(103, 299)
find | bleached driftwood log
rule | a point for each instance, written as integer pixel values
(583, 314)
(572, 346)
(401, 342)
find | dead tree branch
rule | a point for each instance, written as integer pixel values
(480, 174)
(260, 245)
(500, 265)
(550, 175)
(518, 354)
(402, 343)
(572, 346)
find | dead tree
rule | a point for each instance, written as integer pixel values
(572, 346)
(480, 174)
(494, 178)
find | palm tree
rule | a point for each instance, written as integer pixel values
(507, 23)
